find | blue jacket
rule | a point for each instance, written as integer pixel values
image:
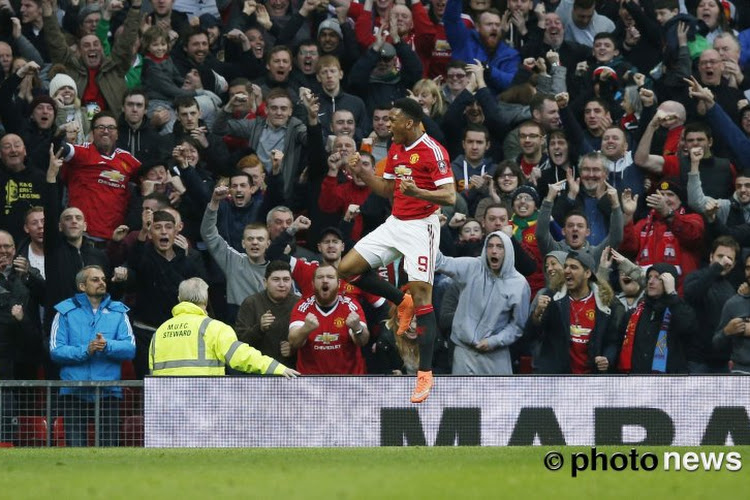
(738, 142)
(467, 46)
(74, 326)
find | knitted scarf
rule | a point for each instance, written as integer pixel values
(521, 224)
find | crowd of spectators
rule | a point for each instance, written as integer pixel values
(600, 149)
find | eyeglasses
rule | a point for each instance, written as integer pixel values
(529, 136)
(524, 198)
(6, 247)
(108, 128)
(304, 53)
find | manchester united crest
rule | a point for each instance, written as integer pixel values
(339, 322)
(414, 158)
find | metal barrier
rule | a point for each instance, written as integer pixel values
(68, 413)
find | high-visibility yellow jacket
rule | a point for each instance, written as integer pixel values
(192, 344)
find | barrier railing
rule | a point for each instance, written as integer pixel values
(64, 413)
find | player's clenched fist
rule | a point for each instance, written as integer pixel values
(408, 187)
(311, 322)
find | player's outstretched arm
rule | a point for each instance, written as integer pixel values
(381, 187)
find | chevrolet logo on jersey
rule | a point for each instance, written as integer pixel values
(327, 338)
(402, 171)
(112, 175)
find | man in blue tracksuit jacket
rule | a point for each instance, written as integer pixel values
(91, 337)
(484, 44)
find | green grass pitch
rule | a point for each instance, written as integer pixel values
(374, 473)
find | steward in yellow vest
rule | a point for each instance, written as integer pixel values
(192, 344)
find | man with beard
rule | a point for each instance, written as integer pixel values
(484, 45)
(734, 327)
(588, 194)
(244, 273)
(97, 175)
(659, 330)
(578, 328)
(160, 266)
(381, 134)
(331, 247)
(91, 337)
(483, 334)
(100, 79)
(570, 52)
(326, 329)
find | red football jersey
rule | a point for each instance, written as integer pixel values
(329, 349)
(98, 186)
(303, 273)
(582, 322)
(426, 162)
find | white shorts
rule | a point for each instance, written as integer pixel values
(416, 240)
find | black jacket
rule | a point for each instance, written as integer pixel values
(706, 290)
(680, 332)
(61, 259)
(19, 191)
(157, 280)
(144, 143)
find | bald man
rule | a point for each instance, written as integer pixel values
(20, 186)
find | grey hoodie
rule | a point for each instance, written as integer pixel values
(492, 307)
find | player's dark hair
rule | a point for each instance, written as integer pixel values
(411, 108)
